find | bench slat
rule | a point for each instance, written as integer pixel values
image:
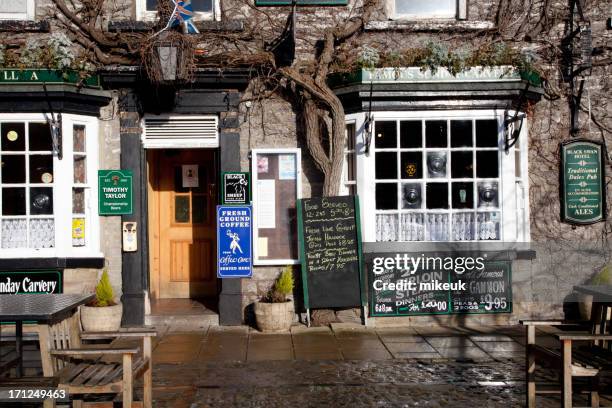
(95, 380)
(86, 374)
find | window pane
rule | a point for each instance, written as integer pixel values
(488, 225)
(41, 169)
(152, 5)
(486, 133)
(412, 196)
(436, 164)
(14, 233)
(488, 194)
(199, 208)
(435, 133)
(80, 172)
(386, 165)
(13, 6)
(78, 138)
(410, 133)
(437, 195)
(13, 137)
(386, 227)
(349, 142)
(463, 226)
(13, 169)
(42, 233)
(462, 165)
(78, 200)
(429, 7)
(350, 167)
(13, 201)
(201, 5)
(386, 196)
(41, 200)
(385, 134)
(463, 195)
(40, 137)
(487, 164)
(461, 133)
(181, 209)
(412, 165)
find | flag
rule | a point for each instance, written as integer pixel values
(183, 15)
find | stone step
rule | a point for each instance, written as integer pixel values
(192, 322)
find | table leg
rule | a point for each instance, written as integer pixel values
(19, 347)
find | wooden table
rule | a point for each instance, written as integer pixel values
(600, 293)
(44, 308)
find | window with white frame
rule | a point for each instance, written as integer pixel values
(202, 9)
(46, 202)
(442, 179)
(414, 9)
(349, 166)
(16, 9)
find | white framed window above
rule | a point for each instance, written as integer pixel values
(202, 9)
(443, 177)
(48, 206)
(431, 9)
(17, 9)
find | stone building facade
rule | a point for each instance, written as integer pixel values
(548, 257)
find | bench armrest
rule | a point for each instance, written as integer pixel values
(577, 336)
(90, 351)
(140, 332)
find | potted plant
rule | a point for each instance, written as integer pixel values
(103, 313)
(585, 302)
(274, 312)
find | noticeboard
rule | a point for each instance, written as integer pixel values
(234, 249)
(235, 188)
(330, 249)
(115, 192)
(582, 182)
(30, 282)
(276, 177)
(488, 290)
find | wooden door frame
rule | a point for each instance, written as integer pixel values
(152, 156)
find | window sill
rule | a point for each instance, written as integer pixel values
(202, 25)
(8, 264)
(429, 25)
(20, 26)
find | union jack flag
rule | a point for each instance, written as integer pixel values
(183, 15)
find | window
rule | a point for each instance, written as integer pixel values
(432, 177)
(203, 9)
(17, 10)
(414, 9)
(46, 202)
(349, 167)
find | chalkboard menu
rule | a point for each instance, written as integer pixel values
(583, 188)
(330, 250)
(400, 293)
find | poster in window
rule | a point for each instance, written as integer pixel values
(276, 181)
(78, 231)
(190, 176)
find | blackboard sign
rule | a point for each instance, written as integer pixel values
(30, 282)
(582, 179)
(330, 250)
(400, 293)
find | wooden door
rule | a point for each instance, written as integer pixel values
(184, 258)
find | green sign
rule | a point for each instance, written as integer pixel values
(301, 2)
(47, 76)
(235, 188)
(582, 173)
(114, 192)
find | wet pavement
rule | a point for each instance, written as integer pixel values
(343, 365)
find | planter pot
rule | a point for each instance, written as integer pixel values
(274, 317)
(585, 305)
(97, 319)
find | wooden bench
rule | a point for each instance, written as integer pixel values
(96, 369)
(586, 354)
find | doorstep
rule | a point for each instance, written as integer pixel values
(181, 314)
